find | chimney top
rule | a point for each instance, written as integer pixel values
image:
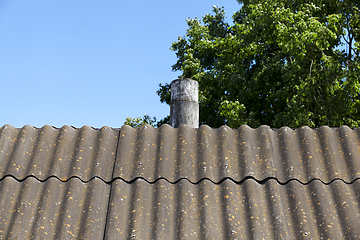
(184, 108)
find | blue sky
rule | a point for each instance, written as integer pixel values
(89, 62)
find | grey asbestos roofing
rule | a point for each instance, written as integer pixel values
(182, 183)
(303, 154)
(173, 154)
(52, 209)
(63, 153)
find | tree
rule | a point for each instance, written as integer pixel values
(137, 122)
(280, 63)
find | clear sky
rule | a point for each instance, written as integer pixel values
(89, 62)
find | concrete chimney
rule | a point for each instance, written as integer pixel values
(184, 108)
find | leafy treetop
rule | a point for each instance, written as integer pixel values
(280, 63)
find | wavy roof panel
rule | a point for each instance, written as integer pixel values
(119, 210)
(304, 154)
(234, 211)
(65, 152)
(173, 154)
(53, 209)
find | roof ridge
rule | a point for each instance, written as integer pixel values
(168, 126)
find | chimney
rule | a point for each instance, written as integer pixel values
(184, 108)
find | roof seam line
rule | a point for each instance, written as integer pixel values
(262, 182)
(111, 184)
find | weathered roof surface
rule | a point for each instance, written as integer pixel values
(304, 154)
(64, 152)
(162, 210)
(182, 183)
(152, 153)
(234, 211)
(53, 209)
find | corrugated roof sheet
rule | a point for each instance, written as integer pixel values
(64, 152)
(304, 154)
(53, 209)
(234, 211)
(182, 183)
(162, 210)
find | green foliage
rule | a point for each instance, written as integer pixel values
(233, 112)
(280, 63)
(137, 122)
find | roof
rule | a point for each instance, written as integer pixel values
(183, 183)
